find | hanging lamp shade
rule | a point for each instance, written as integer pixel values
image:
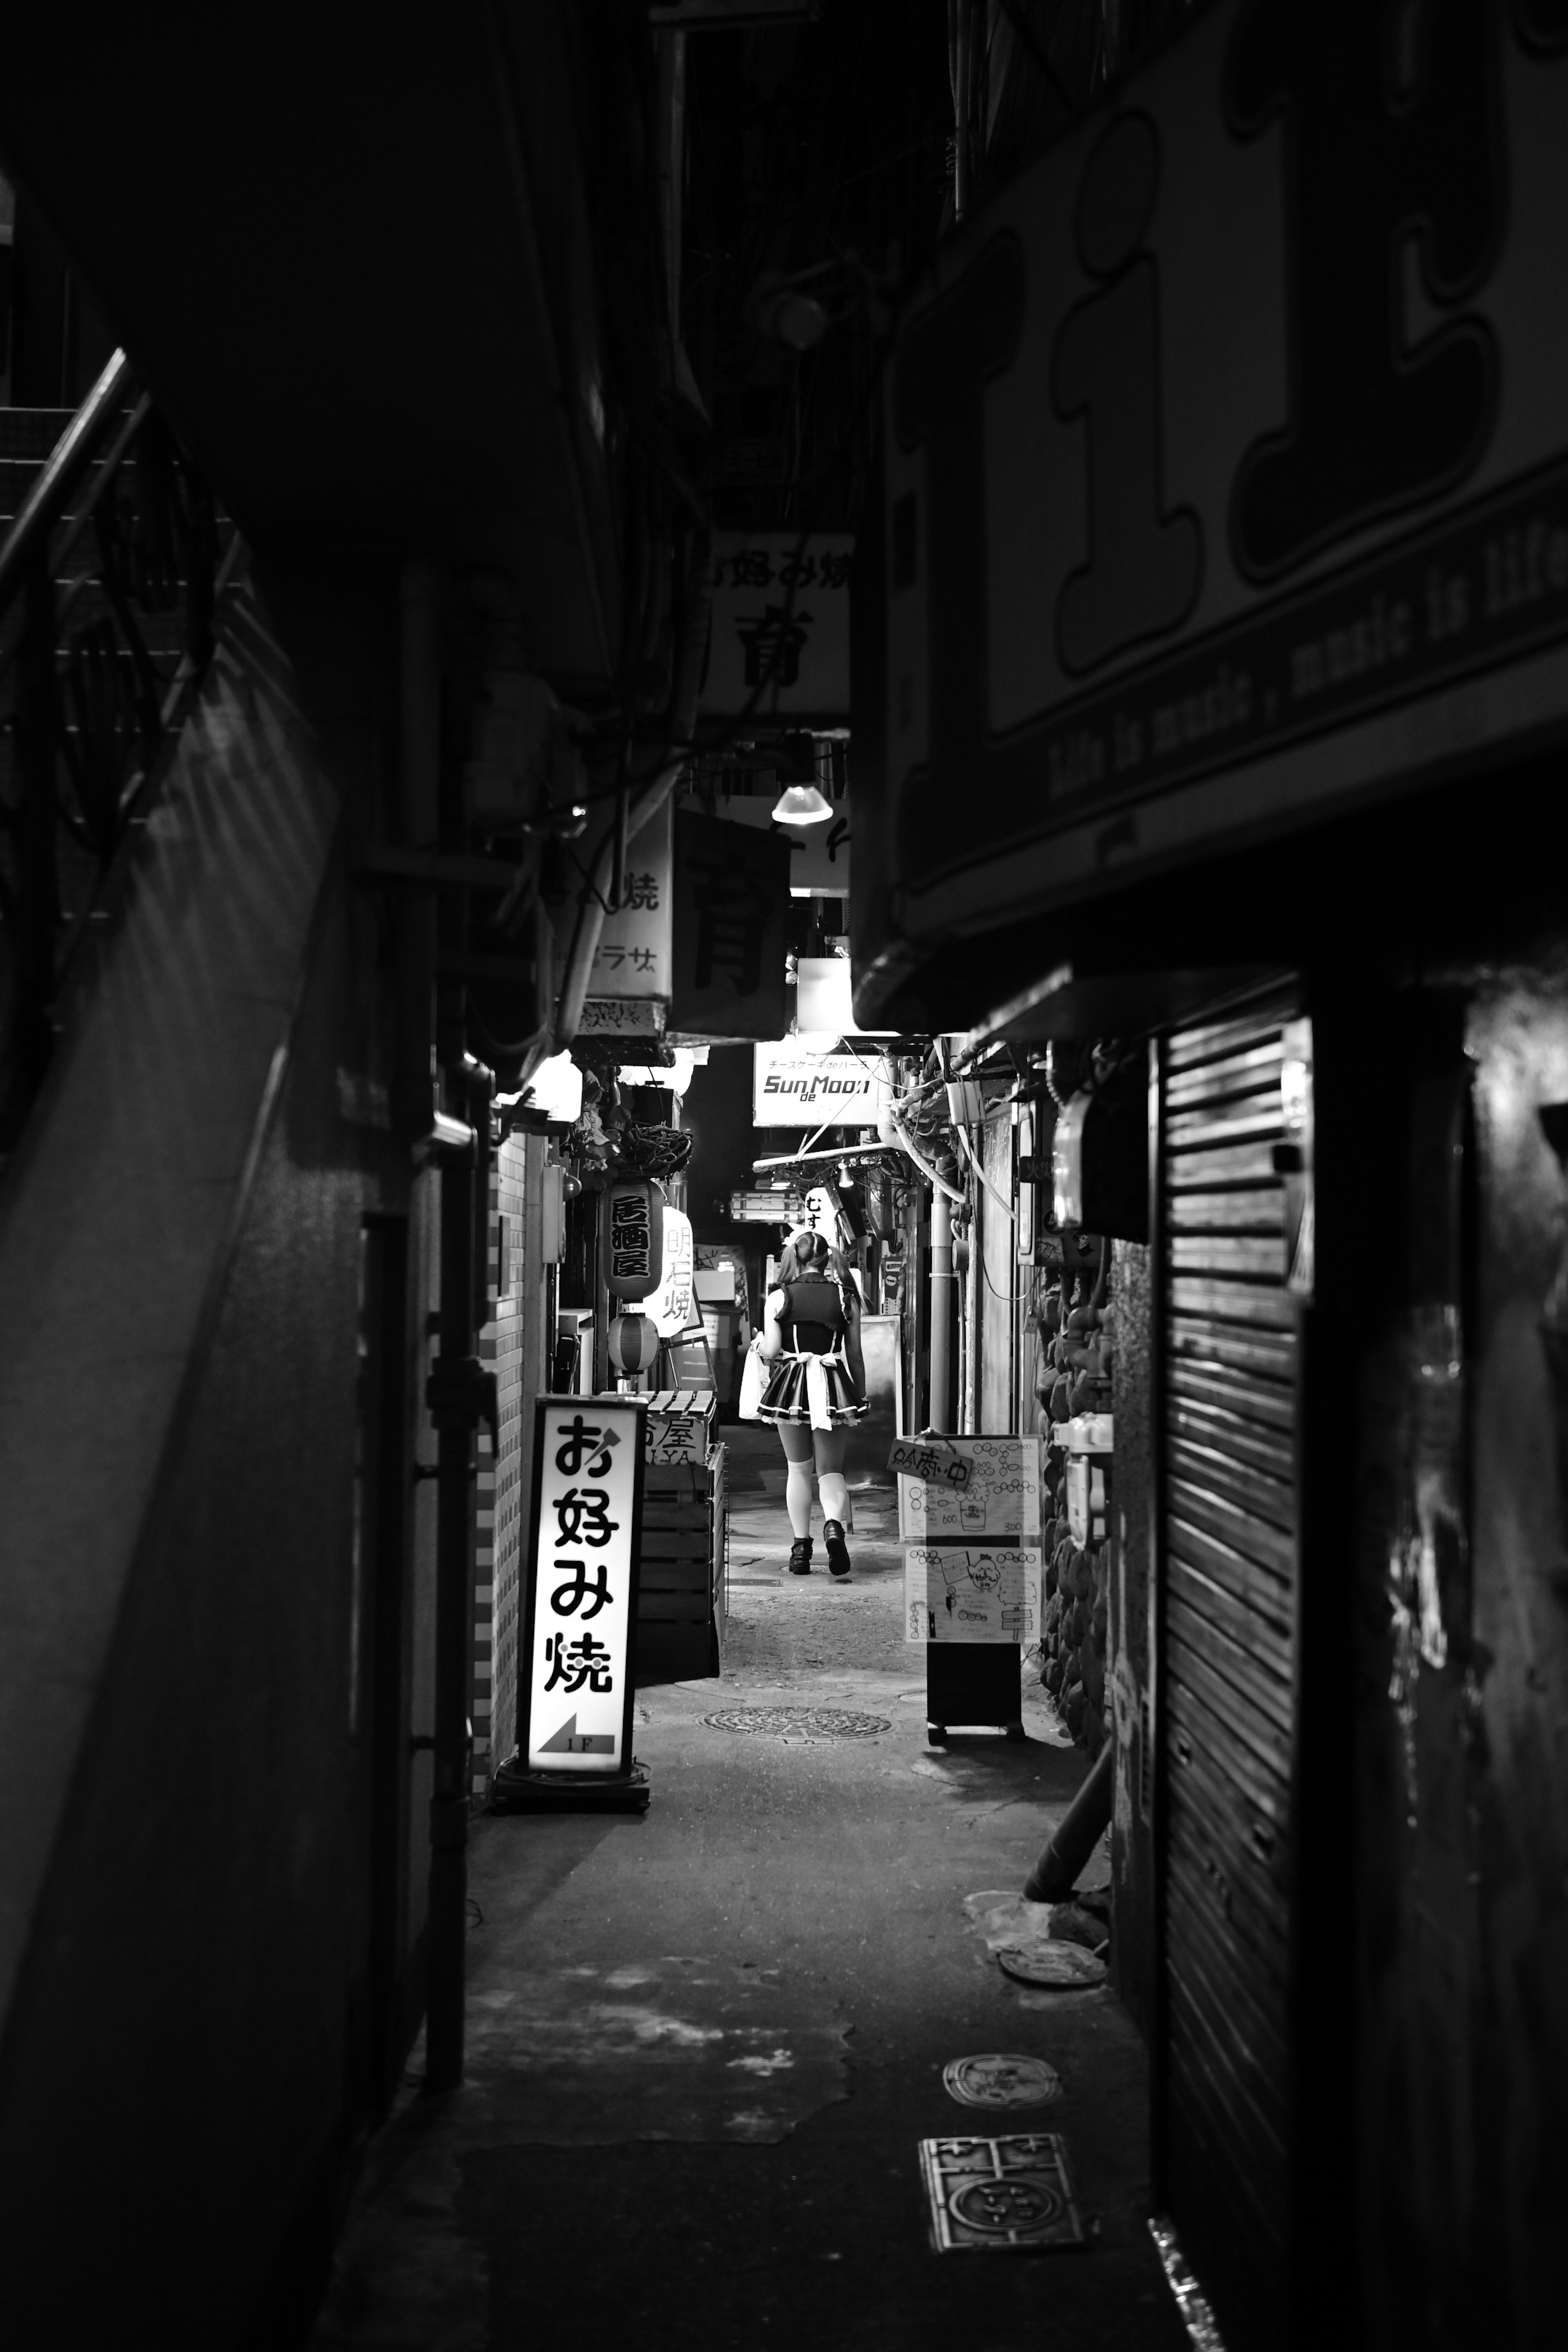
(801, 805)
(633, 1342)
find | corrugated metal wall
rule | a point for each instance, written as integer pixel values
(1227, 1658)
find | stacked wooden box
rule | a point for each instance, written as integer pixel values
(682, 1600)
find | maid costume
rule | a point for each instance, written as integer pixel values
(810, 1382)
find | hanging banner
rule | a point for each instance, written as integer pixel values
(670, 1306)
(794, 1087)
(780, 625)
(580, 1609)
(633, 1237)
(731, 934)
(1227, 479)
(632, 959)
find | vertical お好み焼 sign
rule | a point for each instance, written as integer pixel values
(580, 1612)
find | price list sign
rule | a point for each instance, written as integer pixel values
(582, 1601)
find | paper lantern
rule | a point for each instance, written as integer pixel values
(634, 1238)
(633, 1342)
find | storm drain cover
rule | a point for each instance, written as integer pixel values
(799, 1722)
(1000, 2196)
(1001, 2078)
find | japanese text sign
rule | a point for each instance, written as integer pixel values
(731, 937)
(779, 641)
(955, 1593)
(632, 959)
(932, 1459)
(794, 1087)
(579, 1618)
(634, 1237)
(1227, 458)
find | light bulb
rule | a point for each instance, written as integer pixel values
(801, 805)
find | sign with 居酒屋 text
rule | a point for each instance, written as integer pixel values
(1226, 471)
(633, 1237)
(579, 1611)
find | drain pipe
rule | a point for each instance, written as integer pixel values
(1058, 1871)
(460, 1393)
(939, 1405)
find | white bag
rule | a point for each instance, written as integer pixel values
(754, 1381)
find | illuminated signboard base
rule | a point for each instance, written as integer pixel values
(520, 1790)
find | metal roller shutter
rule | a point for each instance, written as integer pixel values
(1227, 1646)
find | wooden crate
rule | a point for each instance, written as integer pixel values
(682, 1604)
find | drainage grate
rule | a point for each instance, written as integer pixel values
(798, 1722)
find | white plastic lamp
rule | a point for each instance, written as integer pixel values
(845, 1182)
(801, 805)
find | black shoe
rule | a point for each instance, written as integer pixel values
(837, 1550)
(800, 1555)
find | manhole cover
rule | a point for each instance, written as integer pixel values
(1001, 2078)
(799, 1722)
(1051, 1964)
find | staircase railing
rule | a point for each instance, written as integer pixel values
(110, 577)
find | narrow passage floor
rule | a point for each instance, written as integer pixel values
(705, 2046)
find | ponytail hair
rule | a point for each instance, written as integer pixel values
(808, 1252)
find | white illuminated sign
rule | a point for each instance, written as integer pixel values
(576, 1671)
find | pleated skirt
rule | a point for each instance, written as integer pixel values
(785, 1397)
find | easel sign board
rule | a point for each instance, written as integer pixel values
(577, 1665)
(966, 1593)
(1001, 1499)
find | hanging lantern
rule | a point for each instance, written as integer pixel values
(634, 1238)
(633, 1342)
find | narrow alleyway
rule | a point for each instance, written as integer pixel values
(704, 2046)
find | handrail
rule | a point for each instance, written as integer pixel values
(40, 510)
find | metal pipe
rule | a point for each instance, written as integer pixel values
(45, 502)
(461, 1394)
(940, 1404)
(1056, 1872)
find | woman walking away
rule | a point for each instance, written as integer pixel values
(811, 1337)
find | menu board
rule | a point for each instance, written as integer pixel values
(1001, 1500)
(965, 1593)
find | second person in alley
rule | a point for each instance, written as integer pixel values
(815, 1387)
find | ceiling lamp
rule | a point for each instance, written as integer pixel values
(845, 1182)
(801, 805)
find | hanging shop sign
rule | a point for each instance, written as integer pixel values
(765, 1209)
(818, 853)
(1226, 469)
(622, 1016)
(632, 959)
(580, 1612)
(954, 1592)
(792, 1088)
(778, 646)
(634, 1214)
(671, 1305)
(731, 932)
